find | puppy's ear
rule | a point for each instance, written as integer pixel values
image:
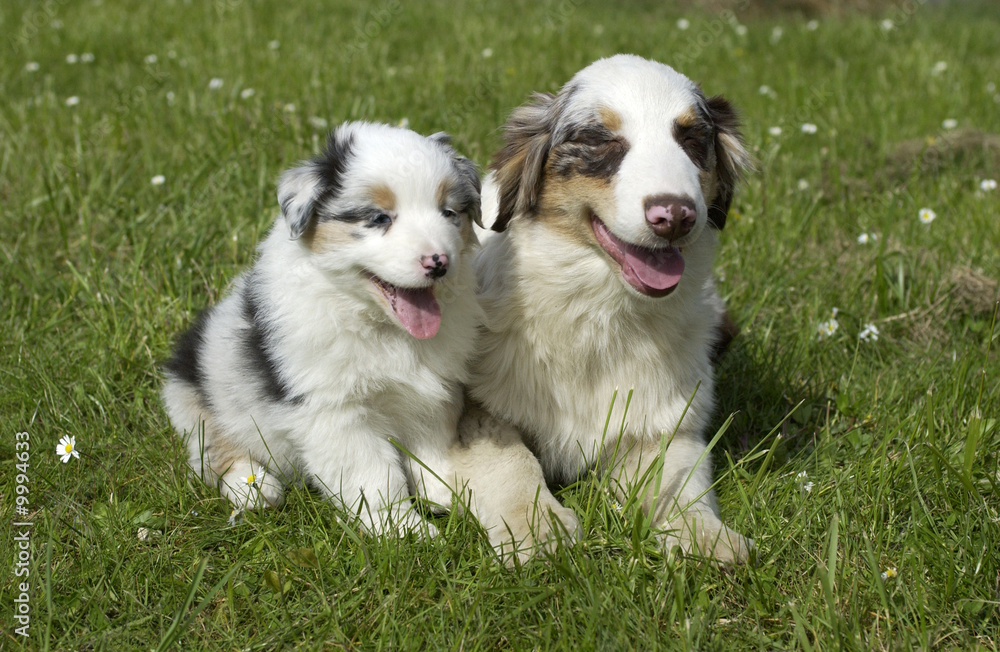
(298, 190)
(303, 190)
(468, 174)
(468, 177)
(519, 166)
(732, 158)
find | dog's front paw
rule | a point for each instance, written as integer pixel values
(248, 486)
(703, 534)
(540, 526)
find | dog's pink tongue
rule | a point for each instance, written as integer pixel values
(418, 311)
(653, 271)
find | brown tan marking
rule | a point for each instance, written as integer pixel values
(329, 235)
(610, 118)
(566, 203)
(689, 118)
(443, 190)
(383, 197)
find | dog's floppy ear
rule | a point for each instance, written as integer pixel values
(298, 190)
(467, 172)
(732, 158)
(303, 190)
(519, 166)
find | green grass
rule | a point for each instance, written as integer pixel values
(100, 269)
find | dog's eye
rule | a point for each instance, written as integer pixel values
(450, 214)
(380, 219)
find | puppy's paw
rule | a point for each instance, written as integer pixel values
(538, 527)
(703, 534)
(248, 486)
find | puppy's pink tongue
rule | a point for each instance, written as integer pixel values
(654, 271)
(418, 311)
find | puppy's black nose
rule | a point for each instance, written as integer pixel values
(435, 264)
(670, 216)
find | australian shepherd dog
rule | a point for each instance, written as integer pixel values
(605, 203)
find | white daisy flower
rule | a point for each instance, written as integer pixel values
(887, 25)
(87, 57)
(683, 23)
(215, 84)
(988, 185)
(765, 90)
(812, 25)
(256, 477)
(158, 180)
(949, 123)
(869, 333)
(274, 45)
(939, 67)
(487, 53)
(776, 34)
(289, 108)
(774, 131)
(247, 93)
(72, 101)
(990, 87)
(317, 122)
(926, 215)
(809, 128)
(889, 573)
(828, 328)
(741, 30)
(803, 184)
(864, 239)
(72, 59)
(151, 59)
(31, 66)
(67, 448)
(404, 123)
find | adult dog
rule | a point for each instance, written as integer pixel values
(606, 201)
(339, 358)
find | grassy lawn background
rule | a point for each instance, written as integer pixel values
(100, 268)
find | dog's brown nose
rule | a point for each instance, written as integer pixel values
(670, 216)
(435, 264)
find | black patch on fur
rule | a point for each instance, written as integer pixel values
(363, 215)
(185, 363)
(729, 165)
(331, 166)
(696, 140)
(593, 150)
(256, 348)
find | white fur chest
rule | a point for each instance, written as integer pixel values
(567, 336)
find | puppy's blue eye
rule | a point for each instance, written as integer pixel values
(380, 219)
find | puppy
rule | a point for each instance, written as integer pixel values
(339, 357)
(606, 202)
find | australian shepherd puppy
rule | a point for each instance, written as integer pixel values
(606, 202)
(339, 357)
